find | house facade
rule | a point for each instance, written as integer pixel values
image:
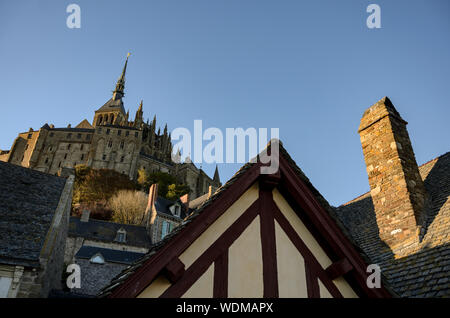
(277, 236)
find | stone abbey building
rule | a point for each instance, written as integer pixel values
(113, 141)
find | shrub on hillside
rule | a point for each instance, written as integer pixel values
(128, 206)
(98, 185)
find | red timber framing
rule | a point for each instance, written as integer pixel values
(347, 262)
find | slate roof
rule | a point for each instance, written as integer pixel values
(104, 231)
(84, 124)
(109, 255)
(162, 205)
(112, 105)
(425, 272)
(28, 199)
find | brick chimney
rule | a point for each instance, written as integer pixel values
(397, 190)
(85, 216)
(150, 211)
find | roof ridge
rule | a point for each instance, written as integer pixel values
(103, 221)
(32, 170)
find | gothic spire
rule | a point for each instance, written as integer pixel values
(120, 86)
(216, 175)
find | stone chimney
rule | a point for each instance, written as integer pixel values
(150, 211)
(185, 200)
(210, 191)
(85, 216)
(397, 190)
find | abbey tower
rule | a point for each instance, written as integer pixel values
(112, 141)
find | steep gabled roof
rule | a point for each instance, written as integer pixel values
(112, 105)
(424, 272)
(109, 255)
(295, 186)
(104, 231)
(84, 124)
(28, 201)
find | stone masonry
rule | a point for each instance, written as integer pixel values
(397, 189)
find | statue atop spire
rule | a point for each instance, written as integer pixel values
(120, 86)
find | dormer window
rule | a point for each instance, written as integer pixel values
(97, 259)
(121, 236)
(177, 210)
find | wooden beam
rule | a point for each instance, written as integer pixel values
(339, 268)
(216, 249)
(145, 274)
(220, 288)
(268, 244)
(174, 270)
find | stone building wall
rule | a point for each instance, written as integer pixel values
(116, 148)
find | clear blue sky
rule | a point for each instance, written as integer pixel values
(308, 67)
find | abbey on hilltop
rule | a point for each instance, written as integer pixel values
(112, 141)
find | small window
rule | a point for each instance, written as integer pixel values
(46, 160)
(122, 158)
(68, 146)
(52, 134)
(121, 144)
(29, 136)
(110, 144)
(81, 147)
(127, 133)
(69, 135)
(165, 229)
(104, 157)
(79, 136)
(136, 134)
(97, 259)
(82, 156)
(119, 132)
(88, 137)
(107, 131)
(177, 210)
(121, 235)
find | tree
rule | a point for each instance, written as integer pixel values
(168, 187)
(94, 187)
(176, 190)
(128, 206)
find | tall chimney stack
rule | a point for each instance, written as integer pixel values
(150, 211)
(397, 190)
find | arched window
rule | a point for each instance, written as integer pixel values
(106, 118)
(99, 121)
